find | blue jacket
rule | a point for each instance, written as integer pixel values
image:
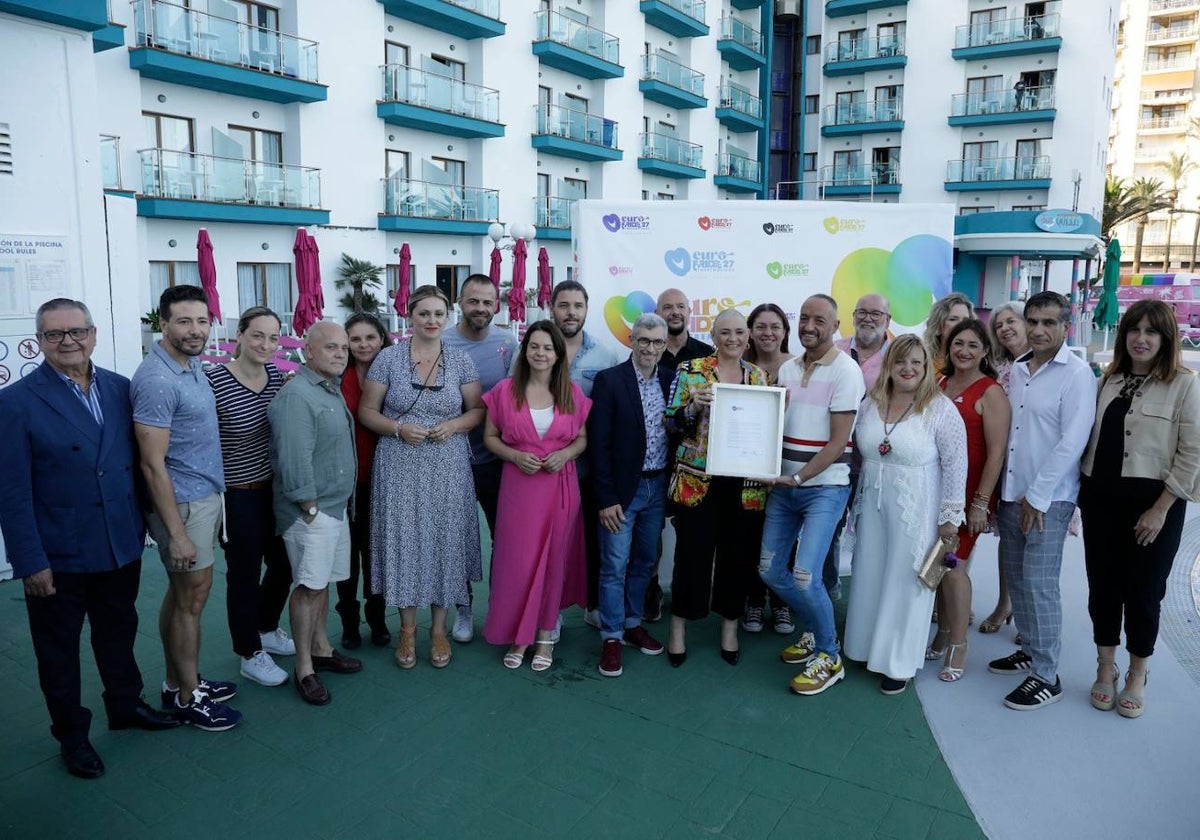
(617, 432)
(69, 496)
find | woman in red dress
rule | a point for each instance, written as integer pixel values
(972, 387)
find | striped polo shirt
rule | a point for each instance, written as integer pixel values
(245, 428)
(815, 390)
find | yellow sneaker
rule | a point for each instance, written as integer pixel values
(822, 672)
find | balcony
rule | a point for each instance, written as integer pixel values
(1163, 125)
(553, 217)
(111, 36)
(175, 44)
(84, 15)
(738, 109)
(428, 101)
(845, 8)
(1019, 173)
(848, 57)
(1001, 107)
(738, 174)
(468, 19)
(427, 207)
(1171, 34)
(860, 179)
(1175, 96)
(110, 166)
(870, 117)
(1170, 7)
(670, 157)
(569, 133)
(194, 187)
(668, 82)
(741, 45)
(745, 4)
(579, 49)
(1010, 36)
(681, 18)
(1185, 62)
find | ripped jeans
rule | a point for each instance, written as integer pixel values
(813, 514)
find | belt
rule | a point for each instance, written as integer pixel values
(252, 485)
(653, 473)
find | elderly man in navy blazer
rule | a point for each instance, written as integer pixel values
(628, 447)
(73, 527)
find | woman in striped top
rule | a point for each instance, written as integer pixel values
(244, 389)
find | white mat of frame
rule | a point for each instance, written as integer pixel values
(1067, 771)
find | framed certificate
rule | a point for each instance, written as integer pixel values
(745, 431)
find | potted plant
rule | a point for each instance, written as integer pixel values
(151, 330)
(359, 276)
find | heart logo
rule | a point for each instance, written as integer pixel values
(831, 224)
(775, 269)
(612, 269)
(612, 221)
(768, 228)
(704, 222)
(679, 261)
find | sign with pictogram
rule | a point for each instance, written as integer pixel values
(28, 348)
(4, 375)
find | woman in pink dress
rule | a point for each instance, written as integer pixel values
(535, 425)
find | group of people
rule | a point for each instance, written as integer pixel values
(365, 468)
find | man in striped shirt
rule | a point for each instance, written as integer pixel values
(825, 387)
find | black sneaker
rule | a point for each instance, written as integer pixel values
(1033, 694)
(1014, 663)
(890, 686)
(653, 603)
(216, 690)
(207, 714)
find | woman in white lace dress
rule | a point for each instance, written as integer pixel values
(914, 451)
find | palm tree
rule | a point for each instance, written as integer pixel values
(359, 275)
(1177, 167)
(1149, 195)
(1120, 206)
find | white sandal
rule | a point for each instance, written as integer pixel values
(541, 661)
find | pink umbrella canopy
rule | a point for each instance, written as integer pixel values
(494, 273)
(208, 274)
(311, 300)
(543, 298)
(516, 295)
(404, 281)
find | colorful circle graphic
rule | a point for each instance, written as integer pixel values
(620, 313)
(911, 277)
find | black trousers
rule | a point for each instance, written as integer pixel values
(254, 601)
(486, 477)
(1124, 578)
(108, 600)
(591, 539)
(360, 563)
(717, 544)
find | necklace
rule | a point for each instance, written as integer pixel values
(886, 446)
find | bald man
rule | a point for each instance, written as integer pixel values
(674, 308)
(315, 461)
(872, 316)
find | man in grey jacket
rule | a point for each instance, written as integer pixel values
(312, 451)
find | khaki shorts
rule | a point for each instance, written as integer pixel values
(202, 519)
(319, 551)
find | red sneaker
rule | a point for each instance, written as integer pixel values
(638, 637)
(610, 658)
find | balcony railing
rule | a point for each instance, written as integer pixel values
(662, 69)
(557, 27)
(1006, 31)
(738, 166)
(1150, 97)
(692, 8)
(110, 162)
(671, 149)
(860, 175)
(741, 100)
(1172, 5)
(862, 49)
(737, 30)
(178, 29)
(1002, 101)
(1170, 33)
(576, 125)
(428, 200)
(552, 212)
(1163, 65)
(171, 174)
(487, 8)
(999, 169)
(426, 89)
(855, 113)
(1152, 123)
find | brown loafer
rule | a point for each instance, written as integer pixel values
(337, 663)
(311, 689)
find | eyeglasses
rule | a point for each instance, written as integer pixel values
(77, 334)
(873, 314)
(656, 343)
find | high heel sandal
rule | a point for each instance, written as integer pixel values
(515, 657)
(949, 673)
(1104, 692)
(543, 661)
(439, 650)
(1132, 705)
(932, 653)
(989, 626)
(406, 649)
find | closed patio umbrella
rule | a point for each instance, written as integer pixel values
(494, 274)
(543, 270)
(208, 274)
(516, 295)
(1107, 310)
(310, 300)
(404, 281)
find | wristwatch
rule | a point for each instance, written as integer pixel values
(796, 479)
(312, 510)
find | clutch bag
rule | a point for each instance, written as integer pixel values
(933, 567)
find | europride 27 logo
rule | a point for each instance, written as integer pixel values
(714, 223)
(614, 222)
(772, 228)
(777, 270)
(620, 270)
(835, 225)
(681, 261)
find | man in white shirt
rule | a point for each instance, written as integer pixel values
(1053, 396)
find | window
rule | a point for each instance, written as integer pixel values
(256, 144)
(394, 53)
(665, 196)
(812, 103)
(812, 45)
(967, 211)
(573, 188)
(165, 275)
(266, 284)
(455, 169)
(1037, 208)
(450, 277)
(885, 164)
(395, 164)
(447, 67)
(846, 165)
(852, 45)
(167, 132)
(810, 161)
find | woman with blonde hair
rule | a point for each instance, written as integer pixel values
(945, 313)
(1006, 326)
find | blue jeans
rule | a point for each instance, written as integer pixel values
(817, 510)
(629, 557)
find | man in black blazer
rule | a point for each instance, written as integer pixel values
(73, 527)
(629, 453)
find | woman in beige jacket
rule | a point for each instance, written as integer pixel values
(1141, 466)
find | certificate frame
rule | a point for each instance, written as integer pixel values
(766, 407)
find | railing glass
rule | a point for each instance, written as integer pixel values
(427, 89)
(171, 174)
(429, 200)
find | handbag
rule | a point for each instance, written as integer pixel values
(688, 485)
(934, 567)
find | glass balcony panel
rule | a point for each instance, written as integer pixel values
(662, 69)
(855, 113)
(999, 169)
(424, 89)
(981, 103)
(557, 27)
(692, 8)
(671, 149)
(553, 212)
(110, 162)
(171, 174)
(428, 200)
(576, 125)
(743, 33)
(740, 99)
(487, 8)
(860, 175)
(1007, 31)
(862, 49)
(738, 166)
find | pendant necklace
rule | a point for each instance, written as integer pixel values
(886, 446)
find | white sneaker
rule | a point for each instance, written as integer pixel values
(262, 669)
(557, 631)
(464, 625)
(592, 617)
(278, 642)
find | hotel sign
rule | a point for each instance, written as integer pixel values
(1058, 221)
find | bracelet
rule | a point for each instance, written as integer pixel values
(983, 508)
(984, 496)
(397, 432)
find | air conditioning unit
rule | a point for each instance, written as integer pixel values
(787, 8)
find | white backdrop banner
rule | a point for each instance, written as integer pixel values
(743, 253)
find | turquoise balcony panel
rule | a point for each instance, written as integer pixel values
(207, 211)
(427, 207)
(845, 58)
(670, 157)
(668, 82)
(569, 133)
(85, 15)
(223, 78)
(1011, 36)
(745, 4)
(738, 109)
(681, 18)
(427, 101)
(859, 180)
(553, 217)
(870, 117)
(845, 8)
(1022, 173)
(1003, 107)
(741, 45)
(578, 49)
(108, 38)
(463, 18)
(738, 174)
